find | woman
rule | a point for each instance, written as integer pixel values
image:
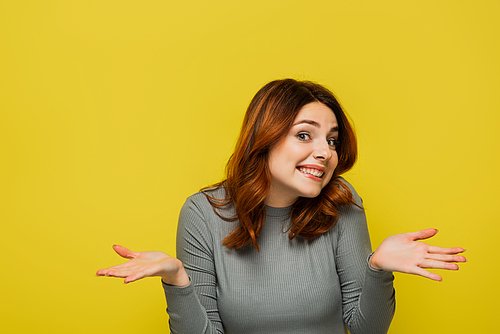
(281, 245)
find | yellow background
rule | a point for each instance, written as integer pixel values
(113, 112)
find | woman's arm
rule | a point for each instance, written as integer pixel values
(368, 300)
(193, 309)
(367, 290)
(189, 281)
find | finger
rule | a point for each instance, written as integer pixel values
(146, 271)
(422, 234)
(113, 276)
(107, 272)
(134, 277)
(100, 272)
(427, 274)
(137, 274)
(128, 265)
(117, 267)
(444, 250)
(433, 264)
(125, 252)
(104, 272)
(123, 272)
(123, 266)
(447, 258)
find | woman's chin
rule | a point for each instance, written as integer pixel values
(311, 194)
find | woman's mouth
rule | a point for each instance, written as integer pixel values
(311, 171)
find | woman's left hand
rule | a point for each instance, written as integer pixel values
(403, 253)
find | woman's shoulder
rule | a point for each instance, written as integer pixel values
(206, 201)
(199, 217)
(352, 220)
(207, 195)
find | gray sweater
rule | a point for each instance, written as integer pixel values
(290, 286)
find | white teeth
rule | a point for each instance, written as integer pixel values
(311, 171)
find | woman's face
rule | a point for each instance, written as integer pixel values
(302, 163)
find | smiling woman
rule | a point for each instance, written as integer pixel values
(302, 163)
(279, 116)
(281, 245)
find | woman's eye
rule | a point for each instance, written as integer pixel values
(333, 142)
(303, 136)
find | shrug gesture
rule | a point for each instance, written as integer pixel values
(147, 264)
(403, 253)
(400, 252)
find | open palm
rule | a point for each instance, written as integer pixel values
(404, 253)
(146, 264)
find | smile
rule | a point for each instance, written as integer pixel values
(311, 171)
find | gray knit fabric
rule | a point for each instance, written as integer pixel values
(290, 286)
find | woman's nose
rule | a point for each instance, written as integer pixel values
(323, 152)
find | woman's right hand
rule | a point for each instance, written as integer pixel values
(147, 264)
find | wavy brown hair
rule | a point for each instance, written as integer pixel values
(268, 119)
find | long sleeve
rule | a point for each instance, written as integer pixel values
(193, 309)
(368, 298)
(290, 286)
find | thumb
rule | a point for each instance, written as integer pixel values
(422, 234)
(125, 252)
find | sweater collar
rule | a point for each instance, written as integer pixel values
(278, 212)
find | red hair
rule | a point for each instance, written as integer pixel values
(268, 119)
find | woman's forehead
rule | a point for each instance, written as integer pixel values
(316, 114)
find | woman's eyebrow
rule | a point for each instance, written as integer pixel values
(316, 124)
(307, 121)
